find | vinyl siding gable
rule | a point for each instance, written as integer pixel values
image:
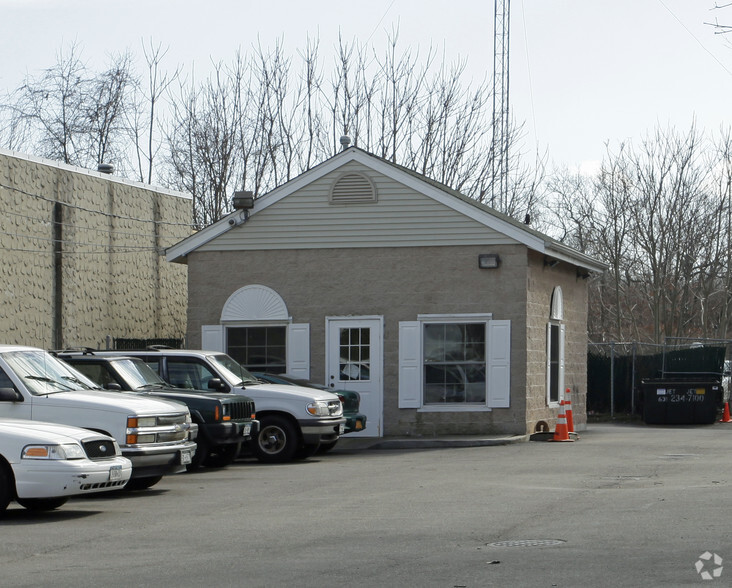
(399, 217)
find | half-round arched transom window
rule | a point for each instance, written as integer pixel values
(254, 303)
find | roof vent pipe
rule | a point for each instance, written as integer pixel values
(345, 141)
(105, 168)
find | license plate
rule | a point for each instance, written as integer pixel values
(247, 429)
(185, 457)
(115, 473)
(341, 429)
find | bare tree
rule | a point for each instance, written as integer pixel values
(203, 140)
(659, 216)
(70, 114)
(107, 102)
(143, 119)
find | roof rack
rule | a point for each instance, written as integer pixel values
(84, 350)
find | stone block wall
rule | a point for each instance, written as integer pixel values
(82, 256)
(541, 282)
(397, 283)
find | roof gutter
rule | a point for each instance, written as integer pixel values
(565, 253)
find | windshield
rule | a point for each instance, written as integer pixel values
(231, 370)
(42, 373)
(138, 374)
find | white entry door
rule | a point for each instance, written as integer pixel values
(354, 362)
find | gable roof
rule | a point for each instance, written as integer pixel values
(450, 198)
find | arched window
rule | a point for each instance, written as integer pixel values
(254, 303)
(555, 349)
(256, 321)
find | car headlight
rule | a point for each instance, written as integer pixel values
(66, 451)
(318, 408)
(139, 422)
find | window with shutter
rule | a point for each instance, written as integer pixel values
(454, 362)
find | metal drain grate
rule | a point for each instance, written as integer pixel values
(527, 543)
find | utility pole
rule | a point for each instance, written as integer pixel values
(499, 146)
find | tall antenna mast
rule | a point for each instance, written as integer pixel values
(499, 147)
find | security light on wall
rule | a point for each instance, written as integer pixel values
(243, 200)
(489, 261)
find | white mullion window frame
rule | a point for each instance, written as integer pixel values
(422, 320)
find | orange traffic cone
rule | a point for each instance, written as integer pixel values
(725, 414)
(568, 410)
(561, 433)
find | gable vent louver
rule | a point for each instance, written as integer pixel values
(352, 188)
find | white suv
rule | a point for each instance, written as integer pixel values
(43, 464)
(293, 420)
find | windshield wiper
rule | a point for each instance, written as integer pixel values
(50, 381)
(150, 387)
(76, 381)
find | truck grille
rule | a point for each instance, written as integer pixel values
(170, 437)
(171, 419)
(240, 409)
(99, 449)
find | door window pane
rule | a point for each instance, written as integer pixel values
(355, 354)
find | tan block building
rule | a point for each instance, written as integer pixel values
(81, 256)
(446, 316)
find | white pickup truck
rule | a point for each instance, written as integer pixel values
(43, 464)
(155, 434)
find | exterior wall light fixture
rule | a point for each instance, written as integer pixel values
(243, 200)
(489, 261)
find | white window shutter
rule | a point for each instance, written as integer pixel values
(499, 364)
(410, 365)
(212, 338)
(298, 350)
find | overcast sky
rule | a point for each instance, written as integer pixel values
(583, 72)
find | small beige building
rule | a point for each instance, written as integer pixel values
(81, 256)
(448, 317)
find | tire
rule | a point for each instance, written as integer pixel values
(223, 455)
(40, 504)
(305, 451)
(326, 447)
(200, 457)
(6, 487)
(277, 440)
(142, 483)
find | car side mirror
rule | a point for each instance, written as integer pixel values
(10, 395)
(113, 386)
(216, 384)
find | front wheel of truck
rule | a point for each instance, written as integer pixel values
(222, 455)
(277, 440)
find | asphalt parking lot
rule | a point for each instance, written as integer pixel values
(625, 505)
